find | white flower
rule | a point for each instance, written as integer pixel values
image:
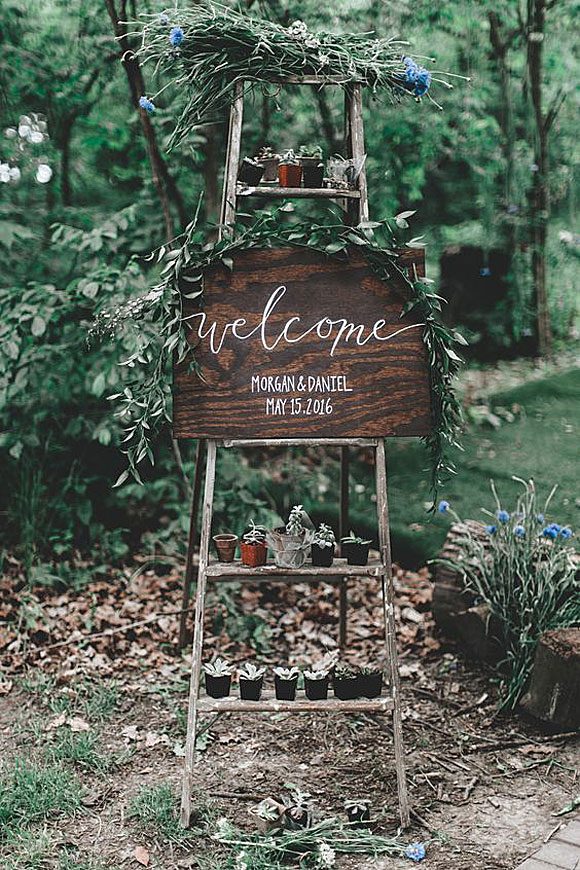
(323, 59)
(240, 863)
(4, 173)
(326, 855)
(43, 173)
(24, 130)
(11, 132)
(14, 173)
(312, 42)
(35, 136)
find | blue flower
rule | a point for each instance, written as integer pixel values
(485, 272)
(443, 507)
(146, 104)
(503, 516)
(415, 851)
(549, 532)
(422, 82)
(519, 532)
(412, 70)
(491, 530)
(417, 77)
(566, 533)
(540, 518)
(176, 36)
(556, 527)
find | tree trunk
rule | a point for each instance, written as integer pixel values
(500, 45)
(554, 693)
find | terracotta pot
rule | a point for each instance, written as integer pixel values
(226, 547)
(289, 175)
(253, 555)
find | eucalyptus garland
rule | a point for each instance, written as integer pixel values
(156, 321)
(207, 49)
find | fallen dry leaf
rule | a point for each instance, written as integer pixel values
(57, 722)
(77, 724)
(131, 732)
(5, 687)
(142, 856)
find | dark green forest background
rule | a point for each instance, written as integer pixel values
(491, 177)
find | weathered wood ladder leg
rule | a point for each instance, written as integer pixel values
(229, 200)
(390, 636)
(187, 784)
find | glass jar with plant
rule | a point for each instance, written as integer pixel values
(250, 171)
(268, 814)
(270, 160)
(310, 157)
(225, 545)
(316, 684)
(291, 542)
(322, 549)
(346, 683)
(251, 680)
(289, 170)
(285, 683)
(370, 681)
(218, 678)
(253, 546)
(355, 549)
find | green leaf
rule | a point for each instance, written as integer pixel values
(228, 263)
(121, 479)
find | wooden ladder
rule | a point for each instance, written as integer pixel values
(355, 203)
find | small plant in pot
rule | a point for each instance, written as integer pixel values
(297, 814)
(251, 171)
(312, 166)
(291, 542)
(355, 549)
(358, 812)
(316, 685)
(270, 160)
(253, 546)
(289, 170)
(322, 549)
(225, 545)
(370, 682)
(251, 681)
(346, 683)
(218, 678)
(285, 682)
(268, 814)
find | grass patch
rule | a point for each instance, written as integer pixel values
(31, 792)
(93, 701)
(83, 750)
(157, 808)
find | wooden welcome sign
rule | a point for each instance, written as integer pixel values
(292, 344)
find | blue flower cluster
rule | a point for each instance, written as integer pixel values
(443, 507)
(176, 36)
(417, 78)
(491, 530)
(519, 532)
(415, 851)
(554, 531)
(146, 104)
(503, 516)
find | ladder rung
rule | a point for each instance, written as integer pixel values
(275, 192)
(314, 80)
(300, 442)
(269, 704)
(339, 568)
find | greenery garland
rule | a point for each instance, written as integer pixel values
(207, 49)
(159, 330)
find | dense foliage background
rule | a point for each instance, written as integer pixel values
(492, 178)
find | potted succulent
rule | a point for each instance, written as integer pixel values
(310, 158)
(218, 678)
(251, 681)
(289, 170)
(370, 682)
(269, 814)
(225, 545)
(253, 546)
(250, 171)
(346, 683)
(270, 160)
(322, 549)
(355, 549)
(291, 542)
(297, 814)
(358, 812)
(316, 685)
(285, 682)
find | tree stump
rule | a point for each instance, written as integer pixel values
(554, 693)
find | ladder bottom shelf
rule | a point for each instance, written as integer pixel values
(269, 704)
(338, 569)
(276, 192)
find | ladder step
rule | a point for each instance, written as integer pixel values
(269, 704)
(300, 442)
(275, 192)
(339, 569)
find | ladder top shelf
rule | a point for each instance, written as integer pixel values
(300, 442)
(269, 704)
(339, 568)
(275, 192)
(345, 81)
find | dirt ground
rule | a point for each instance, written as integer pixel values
(483, 787)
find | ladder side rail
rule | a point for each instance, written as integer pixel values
(358, 148)
(228, 209)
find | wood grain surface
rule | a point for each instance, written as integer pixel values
(380, 388)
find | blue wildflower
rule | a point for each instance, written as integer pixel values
(422, 82)
(176, 36)
(556, 527)
(503, 516)
(485, 272)
(549, 532)
(415, 851)
(491, 530)
(411, 70)
(417, 78)
(540, 518)
(443, 507)
(519, 532)
(146, 104)
(566, 533)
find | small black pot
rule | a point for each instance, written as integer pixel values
(370, 685)
(218, 687)
(357, 554)
(346, 688)
(250, 690)
(250, 173)
(316, 690)
(285, 689)
(297, 818)
(322, 556)
(358, 815)
(313, 176)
